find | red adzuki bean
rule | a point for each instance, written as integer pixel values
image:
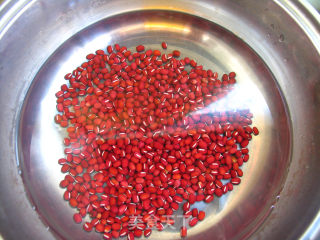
(140, 48)
(255, 130)
(136, 145)
(201, 215)
(77, 218)
(183, 232)
(193, 222)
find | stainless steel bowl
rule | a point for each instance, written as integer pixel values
(273, 46)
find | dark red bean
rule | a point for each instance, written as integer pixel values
(176, 53)
(235, 181)
(164, 45)
(232, 75)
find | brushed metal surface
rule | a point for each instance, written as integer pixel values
(271, 45)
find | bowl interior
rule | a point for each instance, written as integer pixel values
(233, 216)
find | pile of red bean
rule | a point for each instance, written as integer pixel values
(142, 140)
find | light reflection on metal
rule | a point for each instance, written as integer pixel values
(167, 26)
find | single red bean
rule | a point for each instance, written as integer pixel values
(99, 227)
(178, 199)
(176, 53)
(123, 232)
(77, 218)
(87, 227)
(107, 236)
(208, 198)
(183, 231)
(193, 222)
(73, 202)
(131, 236)
(137, 232)
(235, 181)
(195, 212)
(164, 45)
(140, 48)
(218, 192)
(232, 75)
(116, 226)
(64, 183)
(255, 131)
(67, 195)
(244, 143)
(115, 234)
(147, 232)
(186, 206)
(201, 215)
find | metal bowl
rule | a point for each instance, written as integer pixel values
(273, 46)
